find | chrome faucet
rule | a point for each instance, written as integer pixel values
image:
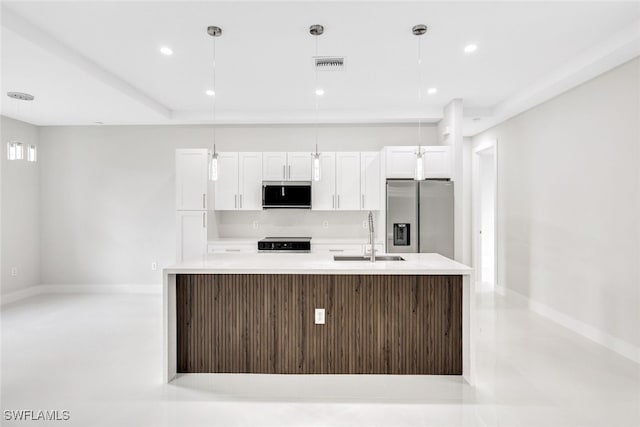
(372, 237)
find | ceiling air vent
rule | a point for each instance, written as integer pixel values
(329, 63)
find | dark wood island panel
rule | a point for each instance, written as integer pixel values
(264, 323)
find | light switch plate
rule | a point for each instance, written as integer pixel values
(325, 224)
(154, 266)
(14, 271)
(319, 316)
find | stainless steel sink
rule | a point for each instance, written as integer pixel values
(366, 258)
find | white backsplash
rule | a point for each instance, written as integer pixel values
(294, 222)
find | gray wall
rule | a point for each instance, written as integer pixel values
(569, 203)
(20, 236)
(108, 199)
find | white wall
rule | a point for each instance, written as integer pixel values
(20, 236)
(569, 206)
(108, 196)
(487, 215)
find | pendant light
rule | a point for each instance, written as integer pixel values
(214, 32)
(316, 30)
(419, 30)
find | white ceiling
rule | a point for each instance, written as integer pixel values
(89, 62)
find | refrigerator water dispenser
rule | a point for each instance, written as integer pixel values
(401, 233)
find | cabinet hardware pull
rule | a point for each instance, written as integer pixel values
(336, 250)
(289, 171)
(241, 201)
(232, 250)
(235, 201)
(284, 172)
(333, 201)
(204, 201)
(204, 219)
(338, 201)
(363, 201)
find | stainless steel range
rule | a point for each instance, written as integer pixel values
(285, 244)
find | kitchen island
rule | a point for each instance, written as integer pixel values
(306, 313)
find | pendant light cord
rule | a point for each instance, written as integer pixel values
(317, 96)
(419, 93)
(214, 95)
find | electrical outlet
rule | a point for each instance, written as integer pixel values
(14, 271)
(319, 316)
(325, 224)
(365, 224)
(154, 266)
(255, 225)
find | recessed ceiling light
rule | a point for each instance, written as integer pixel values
(319, 91)
(470, 48)
(432, 90)
(209, 92)
(166, 50)
(21, 96)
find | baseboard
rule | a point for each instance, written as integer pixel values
(615, 344)
(19, 295)
(79, 289)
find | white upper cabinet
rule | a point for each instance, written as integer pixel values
(280, 166)
(239, 184)
(250, 181)
(274, 166)
(370, 181)
(299, 166)
(227, 184)
(191, 179)
(401, 161)
(348, 195)
(437, 161)
(323, 192)
(191, 242)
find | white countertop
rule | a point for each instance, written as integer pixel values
(315, 263)
(314, 241)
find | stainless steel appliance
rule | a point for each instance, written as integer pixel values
(285, 244)
(286, 195)
(420, 216)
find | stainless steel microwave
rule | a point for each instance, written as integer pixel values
(286, 195)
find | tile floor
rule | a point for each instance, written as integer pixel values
(99, 357)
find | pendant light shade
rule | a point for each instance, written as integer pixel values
(213, 165)
(419, 172)
(315, 170)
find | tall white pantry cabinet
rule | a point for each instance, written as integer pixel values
(192, 202)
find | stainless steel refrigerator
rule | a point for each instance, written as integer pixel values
(420, 216)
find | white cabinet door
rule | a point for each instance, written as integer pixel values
(348, 181)
(227, 183)
(191, 235)
(401, 161)
(437, 161)
(250, 181)
(323, 192)
(299, 166)
(274, 166)
(370, 181)
(191, 179)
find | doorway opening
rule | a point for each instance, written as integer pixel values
(485, 215)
